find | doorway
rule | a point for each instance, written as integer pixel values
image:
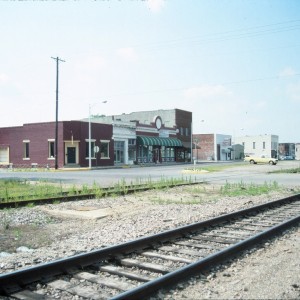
(71, 155)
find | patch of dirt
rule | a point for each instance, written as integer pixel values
(29, 236)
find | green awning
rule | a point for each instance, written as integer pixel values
(158, 141)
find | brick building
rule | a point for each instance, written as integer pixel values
(157, 136)
(212, 146)
(34, 144)
(287, 149)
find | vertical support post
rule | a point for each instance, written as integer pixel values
(56, 118)
(56, 113)
(90, 143)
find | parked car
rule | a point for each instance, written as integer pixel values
(288, 157)
(261, 159)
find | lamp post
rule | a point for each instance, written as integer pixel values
(90, 134)
(196, 141)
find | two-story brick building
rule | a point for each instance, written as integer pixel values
(159, 136)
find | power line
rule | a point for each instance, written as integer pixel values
(214, 84)
(227, 35)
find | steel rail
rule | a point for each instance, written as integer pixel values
(149, 288)
(13, 280)
(64, 197)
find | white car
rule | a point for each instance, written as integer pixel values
(263, 159)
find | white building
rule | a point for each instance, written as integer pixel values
(297, 151)
(257, 145)
(124, 136)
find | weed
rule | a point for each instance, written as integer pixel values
(242, 189)
(17, 234)
(6, 220)
(85, 189)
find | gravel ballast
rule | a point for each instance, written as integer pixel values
(32, 235)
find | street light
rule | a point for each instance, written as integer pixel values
(90, 134)
(196, 141)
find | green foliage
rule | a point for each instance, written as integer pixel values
(13, 190)
(97, 190)
(242, 189)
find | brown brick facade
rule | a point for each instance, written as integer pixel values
(38, 136)
(204, 144)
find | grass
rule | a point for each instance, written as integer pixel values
(205, 193)
(242, 189)
(14, 190)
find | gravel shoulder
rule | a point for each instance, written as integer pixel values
(270, 272)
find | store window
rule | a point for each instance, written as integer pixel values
(87, 146)
(26, 149)
(132, 149)
(4, 155)
(186, 131)
(119, 151)
(104, 149)
(51, 151)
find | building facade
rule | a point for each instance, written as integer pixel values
(286, 150)
(297, 151)
(158, 136)
(212, 146)
(257, 145)
(34, 145)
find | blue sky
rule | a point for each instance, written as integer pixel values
(233, 63)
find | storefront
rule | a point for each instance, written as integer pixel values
(152, 149)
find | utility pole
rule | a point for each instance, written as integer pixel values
(56, 119)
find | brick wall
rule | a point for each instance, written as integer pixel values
(206, 145)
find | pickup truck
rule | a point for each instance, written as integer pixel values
(261, 159)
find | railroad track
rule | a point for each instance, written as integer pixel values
(104, 192)
(138, 269)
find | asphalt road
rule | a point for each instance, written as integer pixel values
(257, 174)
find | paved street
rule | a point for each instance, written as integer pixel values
(106, 177)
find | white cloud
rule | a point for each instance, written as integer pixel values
(128, 54)
(155, 5)
(207, 91)
(288, 71)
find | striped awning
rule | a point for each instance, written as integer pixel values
(158, 141)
